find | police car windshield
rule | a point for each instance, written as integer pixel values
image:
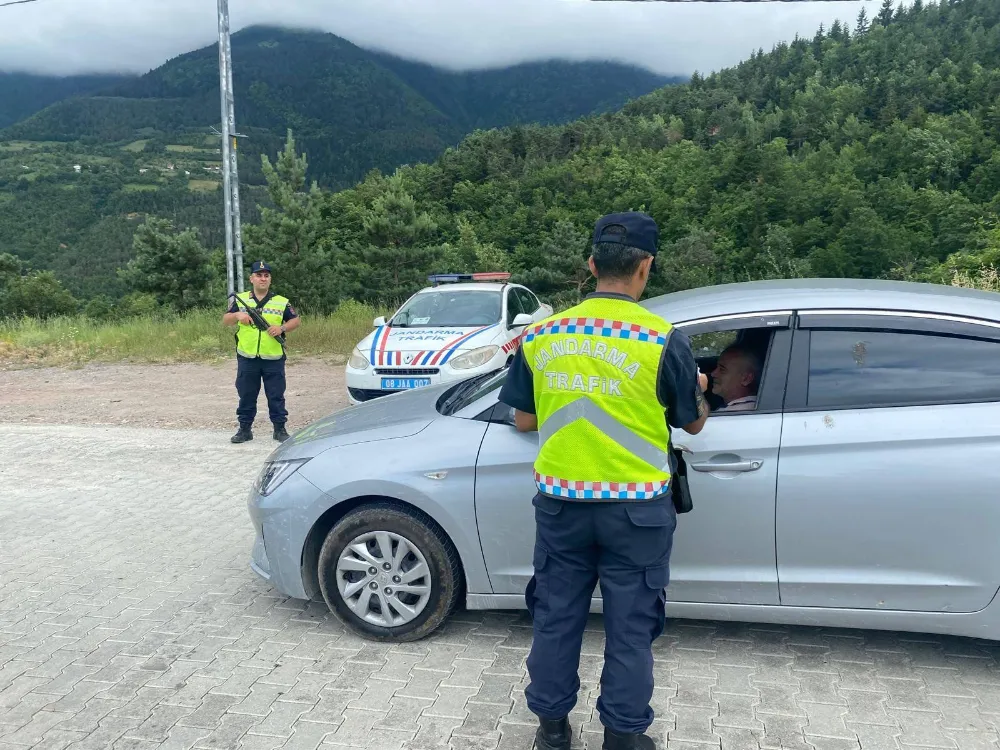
(449, 308)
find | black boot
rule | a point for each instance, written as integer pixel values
(243, 435)
(280, 434)
(617, 741)
(553, 734)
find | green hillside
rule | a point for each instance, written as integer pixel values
(869, 152)
(354, 110)
(24, 94)
(77, 177)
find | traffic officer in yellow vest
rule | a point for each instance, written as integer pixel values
(603, 382)
(259, 355)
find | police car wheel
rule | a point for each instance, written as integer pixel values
(389, 573)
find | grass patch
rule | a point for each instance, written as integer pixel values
(136, 145)
(197, 336)
(134, 187)
(203, 185)
(181, 149)
(986, 278)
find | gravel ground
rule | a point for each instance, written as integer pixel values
(178, 396)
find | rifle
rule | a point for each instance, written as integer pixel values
(257, 319)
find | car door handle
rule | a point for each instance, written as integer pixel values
(708, 466)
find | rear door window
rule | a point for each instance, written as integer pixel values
(867, 368)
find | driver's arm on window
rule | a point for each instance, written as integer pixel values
(519, 392)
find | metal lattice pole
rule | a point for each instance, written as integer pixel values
(230, 173)
(224, 88)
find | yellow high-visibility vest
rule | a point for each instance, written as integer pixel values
(250, 340)
(603, 430)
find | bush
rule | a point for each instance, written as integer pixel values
(100, 308)
(139, 305)
(38, 295)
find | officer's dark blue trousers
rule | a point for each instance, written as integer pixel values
(250, 373)
(627, 546)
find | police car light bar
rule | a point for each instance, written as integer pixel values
(454, 278)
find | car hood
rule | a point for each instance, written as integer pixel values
(423, 346)
(397, 416)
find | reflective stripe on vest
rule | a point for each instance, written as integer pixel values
(603, 432)
(252, 342)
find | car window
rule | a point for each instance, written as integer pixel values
(711, 344)
(727, 356)
(514, 307)
(447, 308)
(859, 368)
(529, 304)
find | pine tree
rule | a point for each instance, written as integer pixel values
(862, 23)
(293, 235)
(561, 281)
(172, 266)
(397, 250)
(885, 14)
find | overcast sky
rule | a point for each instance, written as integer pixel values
(73, 36)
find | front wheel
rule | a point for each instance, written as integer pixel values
(390, 574)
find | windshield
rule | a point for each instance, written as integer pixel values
(458, 308)
(470, 391)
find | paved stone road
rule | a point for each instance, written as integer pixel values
(129, 619)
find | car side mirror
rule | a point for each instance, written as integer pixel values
(521, 320)
(379, 321)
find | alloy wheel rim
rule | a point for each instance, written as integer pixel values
(384, 578)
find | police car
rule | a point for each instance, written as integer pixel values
(462, 325)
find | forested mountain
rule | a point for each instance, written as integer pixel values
(24, 94)
(865, 151)
(354, 110)
(77, 177)
(869, 151)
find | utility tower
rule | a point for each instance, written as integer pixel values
(230, 174)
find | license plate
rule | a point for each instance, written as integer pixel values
(400, 384)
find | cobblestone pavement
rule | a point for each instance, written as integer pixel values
(129, 619)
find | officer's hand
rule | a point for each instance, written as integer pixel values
(245, 319)
(702, 381)
(274, 331)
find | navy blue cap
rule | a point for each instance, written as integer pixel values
(260, 266)
(632, 228)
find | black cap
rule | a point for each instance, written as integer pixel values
(631, 228)
(260, 266)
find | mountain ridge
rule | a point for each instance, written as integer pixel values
(342, 101)
(77, 176)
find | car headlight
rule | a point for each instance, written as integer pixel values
(274, 473)
(357, 361)
(475, 358)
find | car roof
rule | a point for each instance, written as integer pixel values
(819, 294)
(475, 286)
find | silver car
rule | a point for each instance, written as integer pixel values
(863, 491)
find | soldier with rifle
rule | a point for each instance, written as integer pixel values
(262, 318)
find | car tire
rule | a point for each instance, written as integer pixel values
(362, 610)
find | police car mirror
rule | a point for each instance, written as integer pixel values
(379, 321)
(521, 320)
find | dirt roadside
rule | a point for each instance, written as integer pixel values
(178, 396)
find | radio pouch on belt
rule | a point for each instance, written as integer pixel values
(679, 490)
